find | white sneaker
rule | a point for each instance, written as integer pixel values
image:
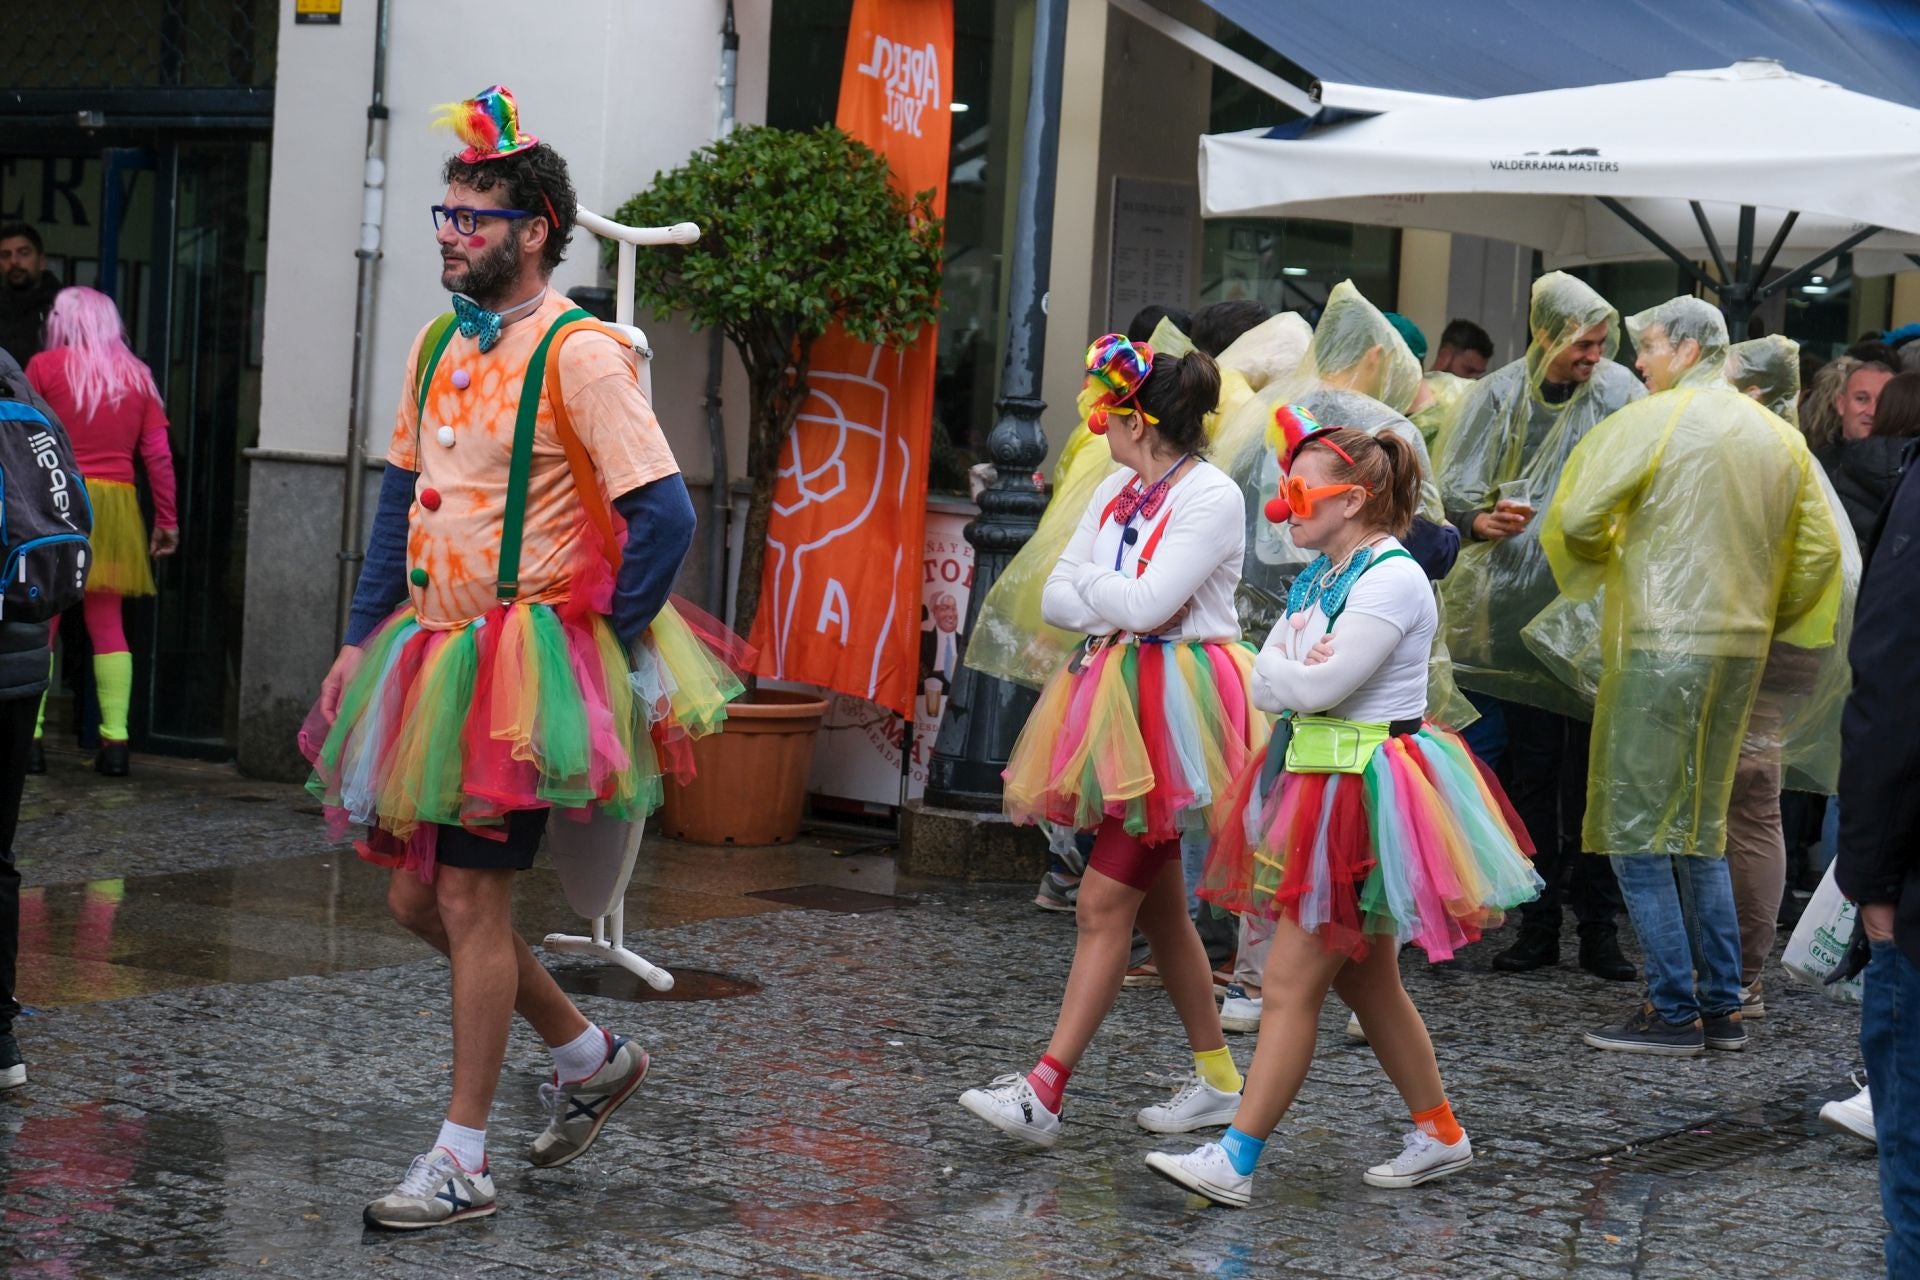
(1010, 1105)
(1355, 1032)
(1239, 1011)
(1205, 1171)
(435, 1191)
(1198, 1105)
(1422, 1159)
(1854, 1115)
(1753, 1007)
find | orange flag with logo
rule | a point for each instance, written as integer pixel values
(840, 596)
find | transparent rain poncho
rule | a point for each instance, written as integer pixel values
(1357, 373)
(1725, 577)
(1440, 404)
(1507, 431)
(1010, 639)
(1768, 369)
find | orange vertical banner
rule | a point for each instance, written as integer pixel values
(840, 596)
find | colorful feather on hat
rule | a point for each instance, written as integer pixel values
(488, 122)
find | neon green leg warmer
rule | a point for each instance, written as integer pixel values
(113, 678)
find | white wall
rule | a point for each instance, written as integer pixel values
(622, 88)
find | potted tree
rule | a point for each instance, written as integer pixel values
(799, 232)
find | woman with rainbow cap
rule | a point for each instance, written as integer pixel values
(512, 654)
(1138, 735)
(1364, 828)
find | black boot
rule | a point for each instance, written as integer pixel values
(36, 758)
(1535, 949)
(112, 759)
(1600, 953)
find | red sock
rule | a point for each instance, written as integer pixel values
(1438, 1124)
(1049, 1081)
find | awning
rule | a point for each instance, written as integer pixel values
(1493, 48)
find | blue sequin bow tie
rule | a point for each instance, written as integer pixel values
(476, 322)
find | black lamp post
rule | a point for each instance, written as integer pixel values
(984, 713)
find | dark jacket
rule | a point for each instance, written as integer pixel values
(1879, 855)
(1863, 474)
(23, 316)
(23, 645)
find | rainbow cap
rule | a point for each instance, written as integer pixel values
(488, 122)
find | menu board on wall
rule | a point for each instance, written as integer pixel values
(1152, 247)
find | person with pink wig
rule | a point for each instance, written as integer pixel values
(106, 397)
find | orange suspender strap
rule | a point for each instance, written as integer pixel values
(585, 480)
(1153, 540)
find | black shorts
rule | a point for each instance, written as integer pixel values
(458, 847)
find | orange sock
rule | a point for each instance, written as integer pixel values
(1439, 1124)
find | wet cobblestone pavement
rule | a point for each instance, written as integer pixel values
(233, 1050)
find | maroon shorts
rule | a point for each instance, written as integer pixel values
(1127, 858)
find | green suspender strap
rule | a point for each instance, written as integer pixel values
(513, 524)
(433, 345)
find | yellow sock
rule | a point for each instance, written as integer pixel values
(1215, 1066)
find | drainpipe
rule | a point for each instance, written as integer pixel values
(719, 495)
(373, 192)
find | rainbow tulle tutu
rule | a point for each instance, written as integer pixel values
(1152, 734)
(528, 707)
(1423, 847)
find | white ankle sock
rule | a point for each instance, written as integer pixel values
(469, 1146)
(581, 1056)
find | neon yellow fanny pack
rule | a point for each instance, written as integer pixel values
(1327, 744)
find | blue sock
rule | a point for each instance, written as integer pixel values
(1243, 1149)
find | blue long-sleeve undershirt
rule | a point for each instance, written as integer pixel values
(660, 527)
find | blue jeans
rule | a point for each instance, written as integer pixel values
(1677, 937)
(1890, 1042)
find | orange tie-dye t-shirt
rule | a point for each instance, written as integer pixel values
(454, 526)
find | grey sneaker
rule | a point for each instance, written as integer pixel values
(1753, 1004)
(435, 1191)
(1057, 893)
(13, 1071)
(1647, 1032)
(577, 1111)
(1724, 1031)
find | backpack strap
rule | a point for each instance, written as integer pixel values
(433, 345)
(513, 522)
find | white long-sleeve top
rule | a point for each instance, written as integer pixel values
(1195, 562)
(1381, 643)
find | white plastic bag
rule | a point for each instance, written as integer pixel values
(1820, 941)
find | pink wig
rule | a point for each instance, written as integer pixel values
(101, 368)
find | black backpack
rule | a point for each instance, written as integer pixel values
(46, 521)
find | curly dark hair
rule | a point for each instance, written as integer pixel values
(536, 180)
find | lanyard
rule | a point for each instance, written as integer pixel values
(1130, 535)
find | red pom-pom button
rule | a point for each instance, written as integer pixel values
(430, 499)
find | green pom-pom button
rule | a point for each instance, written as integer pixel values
(418, 577)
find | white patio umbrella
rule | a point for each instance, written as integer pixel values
(1751, 156)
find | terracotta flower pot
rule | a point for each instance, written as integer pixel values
(750, 785)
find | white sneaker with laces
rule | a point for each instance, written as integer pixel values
(1422, 1159)
(1198, 1105)
(1355, 1032)
(577, 1112)
(435, 1191)
(1205, 1171)
(1753, 1004)
(1853, 1115)
(1239, 1011)
(1010, 1105)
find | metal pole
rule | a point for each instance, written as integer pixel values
(985, 714)
(372, 210)
(719, 494)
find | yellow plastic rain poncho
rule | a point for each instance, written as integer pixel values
(1768, 369)
(1440, 404)
(1010, 639)
(1357, 372)
(1508, 430)
(1702, 515)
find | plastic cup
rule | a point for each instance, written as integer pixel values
(1515, 496)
